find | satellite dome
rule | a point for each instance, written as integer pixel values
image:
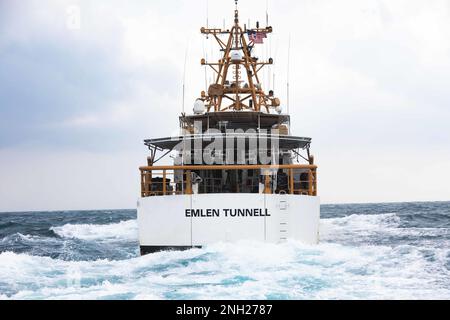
(279, 109)
(199, 106)
(236, 55)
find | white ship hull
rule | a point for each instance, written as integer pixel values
(184, 221)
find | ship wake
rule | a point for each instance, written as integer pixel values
(352, 261)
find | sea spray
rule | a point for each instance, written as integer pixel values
(366, 251)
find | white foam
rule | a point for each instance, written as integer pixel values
(360, 227)
(124, 230)
(243, 270)
(358, 223)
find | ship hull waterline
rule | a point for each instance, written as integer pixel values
(187, 221)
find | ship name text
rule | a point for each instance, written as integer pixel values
(211, 213)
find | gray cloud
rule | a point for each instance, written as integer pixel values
(49, 76)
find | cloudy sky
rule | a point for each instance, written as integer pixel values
(369, 83)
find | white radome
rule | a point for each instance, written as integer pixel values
(279, 109)
(236, 55)
(199, 107)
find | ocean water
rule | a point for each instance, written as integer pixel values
(370, 251)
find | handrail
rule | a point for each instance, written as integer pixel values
(154, 180)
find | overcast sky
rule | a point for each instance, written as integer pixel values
(369, 83)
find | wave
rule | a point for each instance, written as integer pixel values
(243, 270)
(18, 239)
(124, 230)
(385, 263)
(363, 228)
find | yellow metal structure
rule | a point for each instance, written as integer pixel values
(241, 92)
(154, 180)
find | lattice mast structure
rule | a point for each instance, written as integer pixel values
(242, 92)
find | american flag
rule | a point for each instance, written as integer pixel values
(257, 36)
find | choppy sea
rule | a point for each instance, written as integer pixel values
(367, 251)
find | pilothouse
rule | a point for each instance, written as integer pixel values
(235, 153)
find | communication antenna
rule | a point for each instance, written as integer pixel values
(273, 84)
(205, 54)
(270, 68)
(288, 67)
(184, 73)
(207, 16)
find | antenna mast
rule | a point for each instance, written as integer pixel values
(288, 68)
(237, 85)
(207, 13)
(184, 73)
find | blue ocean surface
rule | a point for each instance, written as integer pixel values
(367, 251)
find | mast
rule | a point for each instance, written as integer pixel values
(237, 85)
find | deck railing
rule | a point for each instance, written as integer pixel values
(173, 180)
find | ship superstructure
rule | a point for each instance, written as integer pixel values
(238, 172)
